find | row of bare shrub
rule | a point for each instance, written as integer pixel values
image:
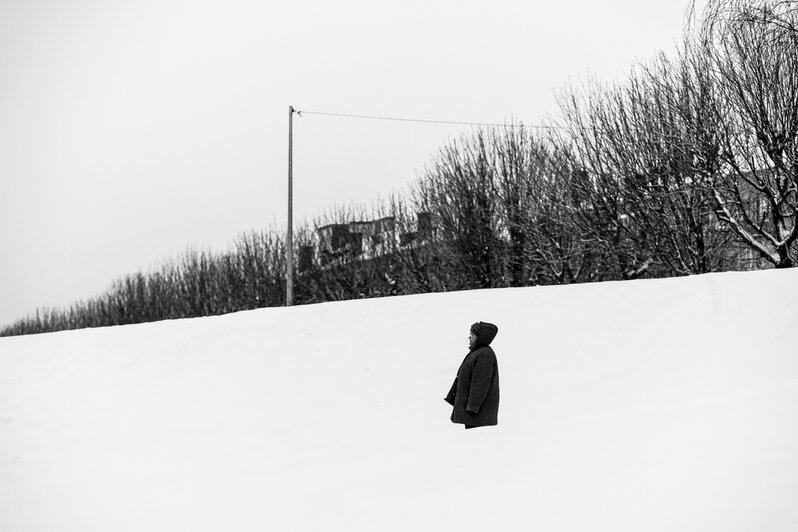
(689, 165)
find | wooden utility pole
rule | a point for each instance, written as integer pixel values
(289, 239)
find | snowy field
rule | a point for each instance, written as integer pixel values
(664, 405)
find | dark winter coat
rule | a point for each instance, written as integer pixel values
(475, 392)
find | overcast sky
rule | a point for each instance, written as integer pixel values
(130, 131)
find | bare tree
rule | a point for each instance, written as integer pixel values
(716, 14)
(460, 189)
(754, 63)
(647, 152)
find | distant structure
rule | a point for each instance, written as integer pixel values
(362, 240)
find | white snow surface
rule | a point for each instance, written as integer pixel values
(655, 405)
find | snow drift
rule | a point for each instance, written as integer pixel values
(654, 405)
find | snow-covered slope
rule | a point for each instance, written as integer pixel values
(639, 406)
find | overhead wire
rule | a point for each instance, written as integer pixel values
(429, 121)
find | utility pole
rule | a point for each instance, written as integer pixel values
(289, 239)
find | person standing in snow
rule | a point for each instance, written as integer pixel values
(475, 392)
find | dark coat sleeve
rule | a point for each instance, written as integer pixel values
(450, 396)
(480, 380)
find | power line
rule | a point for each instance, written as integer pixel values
(462, 123)
(427, 121)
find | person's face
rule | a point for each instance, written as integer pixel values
(472, 338)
